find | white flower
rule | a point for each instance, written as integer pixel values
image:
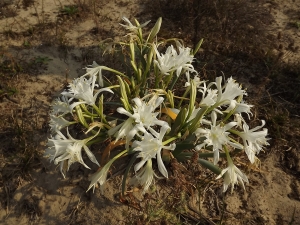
(210, 97)
(60, 149)
(171, 60)
(216, 136)
(144, 177)
(143, 118)
(196, 80)
(184, 60)
(130, 26)
(99, 177)
(61, 106)
(231, 91)
(239, 120)
(150, 147)
(93, 70)
(243, 107)
(232, 176)
(165, 62)
(125, 129)
(83, 89)
(58, 122)
(253, 140)
(144, 112)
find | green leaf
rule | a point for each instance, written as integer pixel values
(132, 53)
(187, 155)
(132, 160)
(101, 108)
(124, 98)
(196, 121)
(80, 116)
(170, 97)
(154, 30)
(149, 61)
(179, 122)
(193, 93)
(198, 46)
(210, 166)
(185, 145)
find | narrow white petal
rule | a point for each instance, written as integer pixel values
(161, 166)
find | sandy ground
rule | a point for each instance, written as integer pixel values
(44, 197)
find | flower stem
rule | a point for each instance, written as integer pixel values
(170, 140)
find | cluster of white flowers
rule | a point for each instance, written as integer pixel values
(212, 117)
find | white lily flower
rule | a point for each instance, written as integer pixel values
(99, 177)
(60, 149)
(253, 140)
(238, 110)
(232, 175)
(130, 26)
(143, 118)
(144, 177)
(239, 120)
(83, 89)
(61, 106)
(196, 80)
(243, 107)
(184, 60)
(171, 60)
(216, 136)
(165, 62)
(58, 122)
(231, 91)
(144, 112)
(93, 70)
(127, 130)
(210, 97)
(150, 147)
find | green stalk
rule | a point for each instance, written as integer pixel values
(168, 80)
(173, 83)
(81, 117)
(184, 95)
(100, 113)
(114, 71)
(88, 112)
(170, 140)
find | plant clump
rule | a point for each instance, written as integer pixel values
(159, 110)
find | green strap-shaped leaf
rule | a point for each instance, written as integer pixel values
(149, 61)
(187, 155)
(154, 30)
(80, 116)
(124, 97)
(132, 160)
(179, 122)
(210, 166)
(193, 93)
(170, 97)
(101, 109)
(132, 52)
(196, 121)
(198, 46)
